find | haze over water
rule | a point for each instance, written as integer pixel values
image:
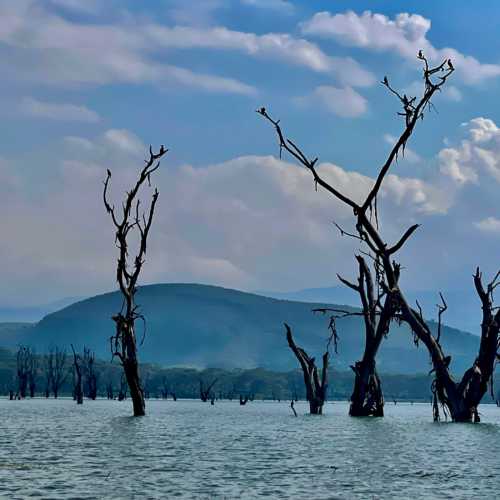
(188, 449)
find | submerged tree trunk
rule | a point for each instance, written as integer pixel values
(367, 399)
(315, 388)
(78, 385)
(131, 369)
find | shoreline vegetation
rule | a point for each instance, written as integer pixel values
(185, 382)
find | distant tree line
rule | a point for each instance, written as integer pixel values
(52, 375)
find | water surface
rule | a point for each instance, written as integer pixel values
(190, 449)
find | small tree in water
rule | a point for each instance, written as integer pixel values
(316, 384)
(130, 222)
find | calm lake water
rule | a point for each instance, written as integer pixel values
(188, 449)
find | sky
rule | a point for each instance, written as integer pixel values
(88, 85)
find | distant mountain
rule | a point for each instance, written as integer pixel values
(200, 325)
(35, 313)
(464, 308)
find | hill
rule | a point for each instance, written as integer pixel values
(464, 308)
(201, 325)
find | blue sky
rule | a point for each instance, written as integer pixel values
(88, 84)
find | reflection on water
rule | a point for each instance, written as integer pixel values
(189, 449)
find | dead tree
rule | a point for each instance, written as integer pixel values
(315, 387)
(77, 367)
(32, 373)
(206, 391)
(131, 222)
(56, 360)
(459, 400)
(24, 361)
(378, 309)
(122, 393)
(89, 374)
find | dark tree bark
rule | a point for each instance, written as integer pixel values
(378, 309)
(124, 341)
(315, 387)
(78, 387)
(206, 390)
(24, 366)
(461, 399)
(90, 374)
(56, 361)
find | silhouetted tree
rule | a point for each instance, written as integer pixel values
(56, 360)
(131, 221)
(90, 375)
(206, 390)
(24, 365)
(77, 368)
(378, 309)
(315, 387)
(461, 399)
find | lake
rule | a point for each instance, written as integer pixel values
(190, 449)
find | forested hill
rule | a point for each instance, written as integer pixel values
(201, 325)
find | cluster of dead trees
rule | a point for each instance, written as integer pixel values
(54, 369)
(377, 284)
(381, 297)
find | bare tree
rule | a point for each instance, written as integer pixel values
(131, 222)
(24, 364)
(460, 400)
(77, 367)
(56, 360)
(90, 374)
(206, 390)
(32, 373)
(378, 309)
(316, 387)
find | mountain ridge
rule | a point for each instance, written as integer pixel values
(205, 325)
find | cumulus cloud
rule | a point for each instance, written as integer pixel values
(125, 141)
(57, 111)
(405, 35)
(344, 102)
(478, 154)
(243, 223)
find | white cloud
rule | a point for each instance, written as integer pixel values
(125, 141)
(477, 155)
(344, 102)
(57, 111)
(489, 225)
(405, 35)
(275, 46)
(48, 49)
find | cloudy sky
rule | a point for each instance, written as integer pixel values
(88, 84)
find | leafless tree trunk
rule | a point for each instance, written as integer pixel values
(89, 374)
(109, 390)
(206, 390)
(77, 367)
(315, 387)
(124, 341)
(56, 360)
(460, 400)
(26, 365)
(378, 309)
(33, 368)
